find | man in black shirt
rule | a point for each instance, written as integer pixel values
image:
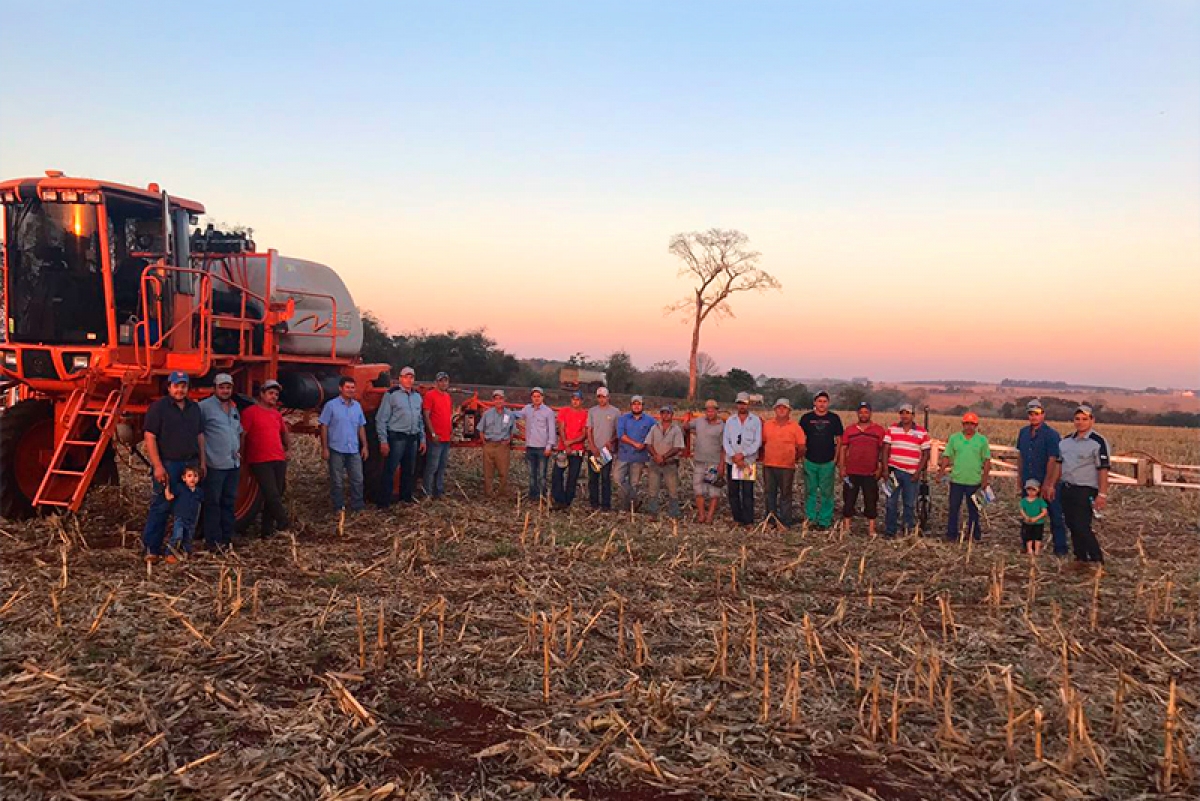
(174, 436)
(823, 430)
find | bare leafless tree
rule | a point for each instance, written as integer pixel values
(721, 263)
(706, 365)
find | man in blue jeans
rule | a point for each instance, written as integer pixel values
(906, 451)
(223, 437)
(1037, 448)
(174, 436)
(541, 434)
(400, 426)
(968, 458)
(344, 444)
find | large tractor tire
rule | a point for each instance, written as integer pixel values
(26, 447)
(249, 501)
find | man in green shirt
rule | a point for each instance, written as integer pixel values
(969, 461)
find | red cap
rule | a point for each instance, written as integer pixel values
(970, 417)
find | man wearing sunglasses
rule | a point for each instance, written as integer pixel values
(1038, 452)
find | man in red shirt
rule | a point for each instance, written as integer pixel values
(439, 424)
(266, 448)
(572, 434)
(861, 464)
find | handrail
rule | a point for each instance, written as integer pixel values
(335, 333)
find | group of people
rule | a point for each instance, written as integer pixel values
(197, 451)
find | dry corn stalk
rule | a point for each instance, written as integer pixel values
(362, 634)
(753, 642)
(545, 660)
(100, 614)
(765, 714)
(1095, 616)
(1038, 718)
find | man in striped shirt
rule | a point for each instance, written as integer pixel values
(906, 454)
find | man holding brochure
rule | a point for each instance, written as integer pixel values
(602, 446)
(743, 438)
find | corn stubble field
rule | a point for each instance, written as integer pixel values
(474, 650)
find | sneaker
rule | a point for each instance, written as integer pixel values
(171, 559)
(152, 558)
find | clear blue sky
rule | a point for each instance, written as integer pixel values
(1016, 172)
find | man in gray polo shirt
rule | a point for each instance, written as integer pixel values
(1082, 467)
(708, 459)
(223, 448)
(601, 435)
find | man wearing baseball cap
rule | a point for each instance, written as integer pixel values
(572, 433)
(496, 427)
(783, 448)
(708, 460)
(223, 436)
(174, 436)
(601, 438)
(541, 435)
(439, 426)
(1082, 465)
(742, 439)
(266, 447)
(1037, 452)
(860, 459)
(906, 451)
(823, 431)
(632, 457)
(400, 428)
(969, 460)
(665, 444)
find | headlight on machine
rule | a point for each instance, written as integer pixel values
(80, 362)
(10, 359)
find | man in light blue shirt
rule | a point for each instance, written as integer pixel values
(632, 457)
(742, 440)
(400, 427)
(344, 444)
(496, 428)
(223, 454)
(541, 435)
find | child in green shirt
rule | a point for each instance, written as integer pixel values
(1033, 517)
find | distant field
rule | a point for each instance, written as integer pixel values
(997, 395)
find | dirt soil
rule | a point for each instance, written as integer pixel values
(470, 649)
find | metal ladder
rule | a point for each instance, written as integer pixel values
(90, 427)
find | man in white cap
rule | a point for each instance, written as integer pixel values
(223, 448)
(906, 449)
(665, 444)
(743, 436)
(496, 428)
(400, 428)
(708, 460)
(1083, 463)
(267, 444)
(541, 435)
(632, 457)
(783, 447)
(602, 445)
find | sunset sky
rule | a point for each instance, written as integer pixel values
(943, 189)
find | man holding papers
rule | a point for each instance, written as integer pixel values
(743, 438)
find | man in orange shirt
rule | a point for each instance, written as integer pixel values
(783, 447)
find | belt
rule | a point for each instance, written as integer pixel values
(392, 433)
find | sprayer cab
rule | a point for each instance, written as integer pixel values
(76, 251)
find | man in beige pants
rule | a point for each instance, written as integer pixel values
(496, 428)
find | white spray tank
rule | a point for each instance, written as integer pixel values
(316, 290)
